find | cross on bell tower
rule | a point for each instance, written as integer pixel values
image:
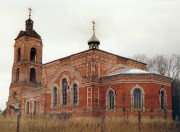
(93, 42)
(93, 27)
(29, 12)
(29, 22)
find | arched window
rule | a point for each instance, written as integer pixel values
(19, 55)
(137, 95)
(35, 107)
(14, 95)
(162, 99)
(32, 75)
(54, 96)
(17, 74)
(75, 94)
(27, 107)
(110, 102)
(64, 91)
(33, 54)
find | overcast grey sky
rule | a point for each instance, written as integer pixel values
(124, 27)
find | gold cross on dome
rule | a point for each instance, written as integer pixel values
(29, 12)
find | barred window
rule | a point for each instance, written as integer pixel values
(137, 95)
(27, 107)
(110, 102)
(64, 91)
(111, 99)
(54, 96)
(75, 94)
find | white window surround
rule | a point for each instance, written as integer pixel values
(142, 98)
(68, 82)
(71, 93)
(165, 99)
(107, 99)
(52, 95)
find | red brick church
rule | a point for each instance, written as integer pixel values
(89, 83)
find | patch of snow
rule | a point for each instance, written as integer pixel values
(129, 71)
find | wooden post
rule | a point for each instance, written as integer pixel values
(18, 117)
(102, 124)
(139, 120)
(165, 113)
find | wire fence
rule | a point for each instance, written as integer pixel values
(99, 124)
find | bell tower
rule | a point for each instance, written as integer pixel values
(27, 66)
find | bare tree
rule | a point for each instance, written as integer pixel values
(174, 66)
(166, 66)
(159, 64)
(141, 57)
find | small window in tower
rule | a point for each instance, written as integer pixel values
(33, 54)
(19, 55)
(17, 74)
(32, 75)
(14, 95)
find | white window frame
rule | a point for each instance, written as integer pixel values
(61, 94)
(52, 95)
(165, 99)
(72, 93)
(142, 108)
(107, 99)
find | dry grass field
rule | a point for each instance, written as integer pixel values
(87, 124)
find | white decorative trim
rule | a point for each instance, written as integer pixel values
(71, 93)
(132, 97)
(68, 83)
(165, 98)
(107, 98)
(89, 97)
(66, 67)
(117, 67)
(52, 94)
